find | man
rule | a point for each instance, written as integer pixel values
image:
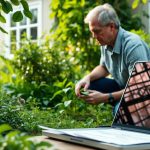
(120, 49)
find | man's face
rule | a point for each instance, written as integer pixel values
(103, 34)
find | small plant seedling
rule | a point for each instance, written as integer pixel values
(83, 92)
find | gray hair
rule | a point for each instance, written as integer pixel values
(104, 14)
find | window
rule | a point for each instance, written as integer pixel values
(26, 28)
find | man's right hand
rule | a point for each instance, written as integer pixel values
(83, 83)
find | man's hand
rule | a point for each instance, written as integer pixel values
(83, 83)
(95, 97)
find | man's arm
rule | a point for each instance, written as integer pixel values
(97, 72)
(96, 97)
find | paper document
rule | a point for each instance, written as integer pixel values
(120, 137)
(108, 135)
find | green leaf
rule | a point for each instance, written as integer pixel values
(67, 103)
(12, 134)
(25, 5)
(66, 89)
(83, 92)
(17, 16)
(28, 14)
(6, 6)
(4, 31)
(2, 19)
(15, 2)
(135, 4)
(144, 1)
(5, 127)
(56, 94)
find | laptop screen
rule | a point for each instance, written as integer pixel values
(134, 109)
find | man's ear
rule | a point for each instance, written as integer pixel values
(112, 25)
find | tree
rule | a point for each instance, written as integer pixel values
(7, 7)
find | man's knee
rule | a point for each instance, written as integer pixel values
(104, 85)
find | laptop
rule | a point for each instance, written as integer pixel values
(130, 129)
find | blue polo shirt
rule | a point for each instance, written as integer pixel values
(119, 60)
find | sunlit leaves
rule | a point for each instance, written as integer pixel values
(2, 19)
(4, 128)
(16, 140)
(4, 31)
(144, 1)
(136, 3)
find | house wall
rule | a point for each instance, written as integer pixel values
(2, 37)
(145, 20)
(46, 22)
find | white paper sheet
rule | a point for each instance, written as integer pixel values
(120, 137)
(108, 135)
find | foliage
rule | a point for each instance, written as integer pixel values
(16, 140)
(6, 7)
(143, 35)
(136, 3)
(7, 71)
(69, 113)
(71, 35)
(9, 111)
(40, 63)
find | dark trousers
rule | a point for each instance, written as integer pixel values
(106, 85)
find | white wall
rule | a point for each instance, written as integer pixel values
(46, 22)
(2, 48)
(145, 20)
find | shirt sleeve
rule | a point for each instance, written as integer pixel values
(138, 52)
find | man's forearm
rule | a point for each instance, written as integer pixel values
(98, 72)
(117, 95)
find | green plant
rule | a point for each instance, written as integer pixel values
(7, 7)
(10, 110)
(143, 35)
(136, 3)
(13, 140)
(7, 71)
(84, 92)
(40, 63)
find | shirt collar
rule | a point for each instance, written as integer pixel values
(117, 46)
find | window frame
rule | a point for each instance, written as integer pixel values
(32, 5)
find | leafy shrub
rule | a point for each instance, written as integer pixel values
(143, 35)
(40, 63)
(10, 111)
(70, 112)
(13, 140)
